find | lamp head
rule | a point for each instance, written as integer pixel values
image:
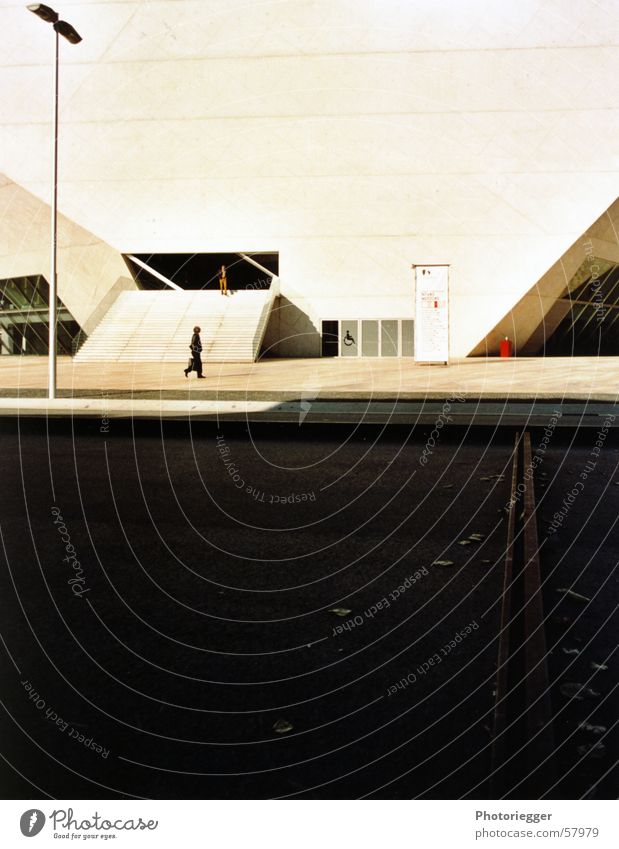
(67, 31)
(44, 12)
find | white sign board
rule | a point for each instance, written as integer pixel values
(432, 313)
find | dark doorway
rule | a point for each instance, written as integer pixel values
(329, 339)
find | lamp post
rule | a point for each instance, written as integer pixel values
(66, 31)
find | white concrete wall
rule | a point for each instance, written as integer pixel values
(354, 137)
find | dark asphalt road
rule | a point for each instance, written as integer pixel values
(577, 503)
(197, 648)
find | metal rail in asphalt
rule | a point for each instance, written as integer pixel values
(523, 738)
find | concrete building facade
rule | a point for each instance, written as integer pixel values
(353, 139)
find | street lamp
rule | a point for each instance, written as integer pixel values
(66, 31)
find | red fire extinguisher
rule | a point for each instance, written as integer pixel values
(505, 347)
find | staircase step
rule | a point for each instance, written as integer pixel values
(157, 327)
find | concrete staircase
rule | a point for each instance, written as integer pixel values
(157, 326)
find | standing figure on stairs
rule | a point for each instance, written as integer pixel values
(223, 280)
(196, 350)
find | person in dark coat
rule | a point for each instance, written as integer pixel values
(196, 351)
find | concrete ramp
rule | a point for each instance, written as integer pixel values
(157, 326)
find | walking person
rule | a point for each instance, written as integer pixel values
(223, 281)
(196, 351)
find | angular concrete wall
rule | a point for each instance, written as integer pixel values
(90, 272)
(535, 317)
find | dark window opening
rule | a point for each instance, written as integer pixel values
(24, 319)
(201, 271)
(591, 321)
